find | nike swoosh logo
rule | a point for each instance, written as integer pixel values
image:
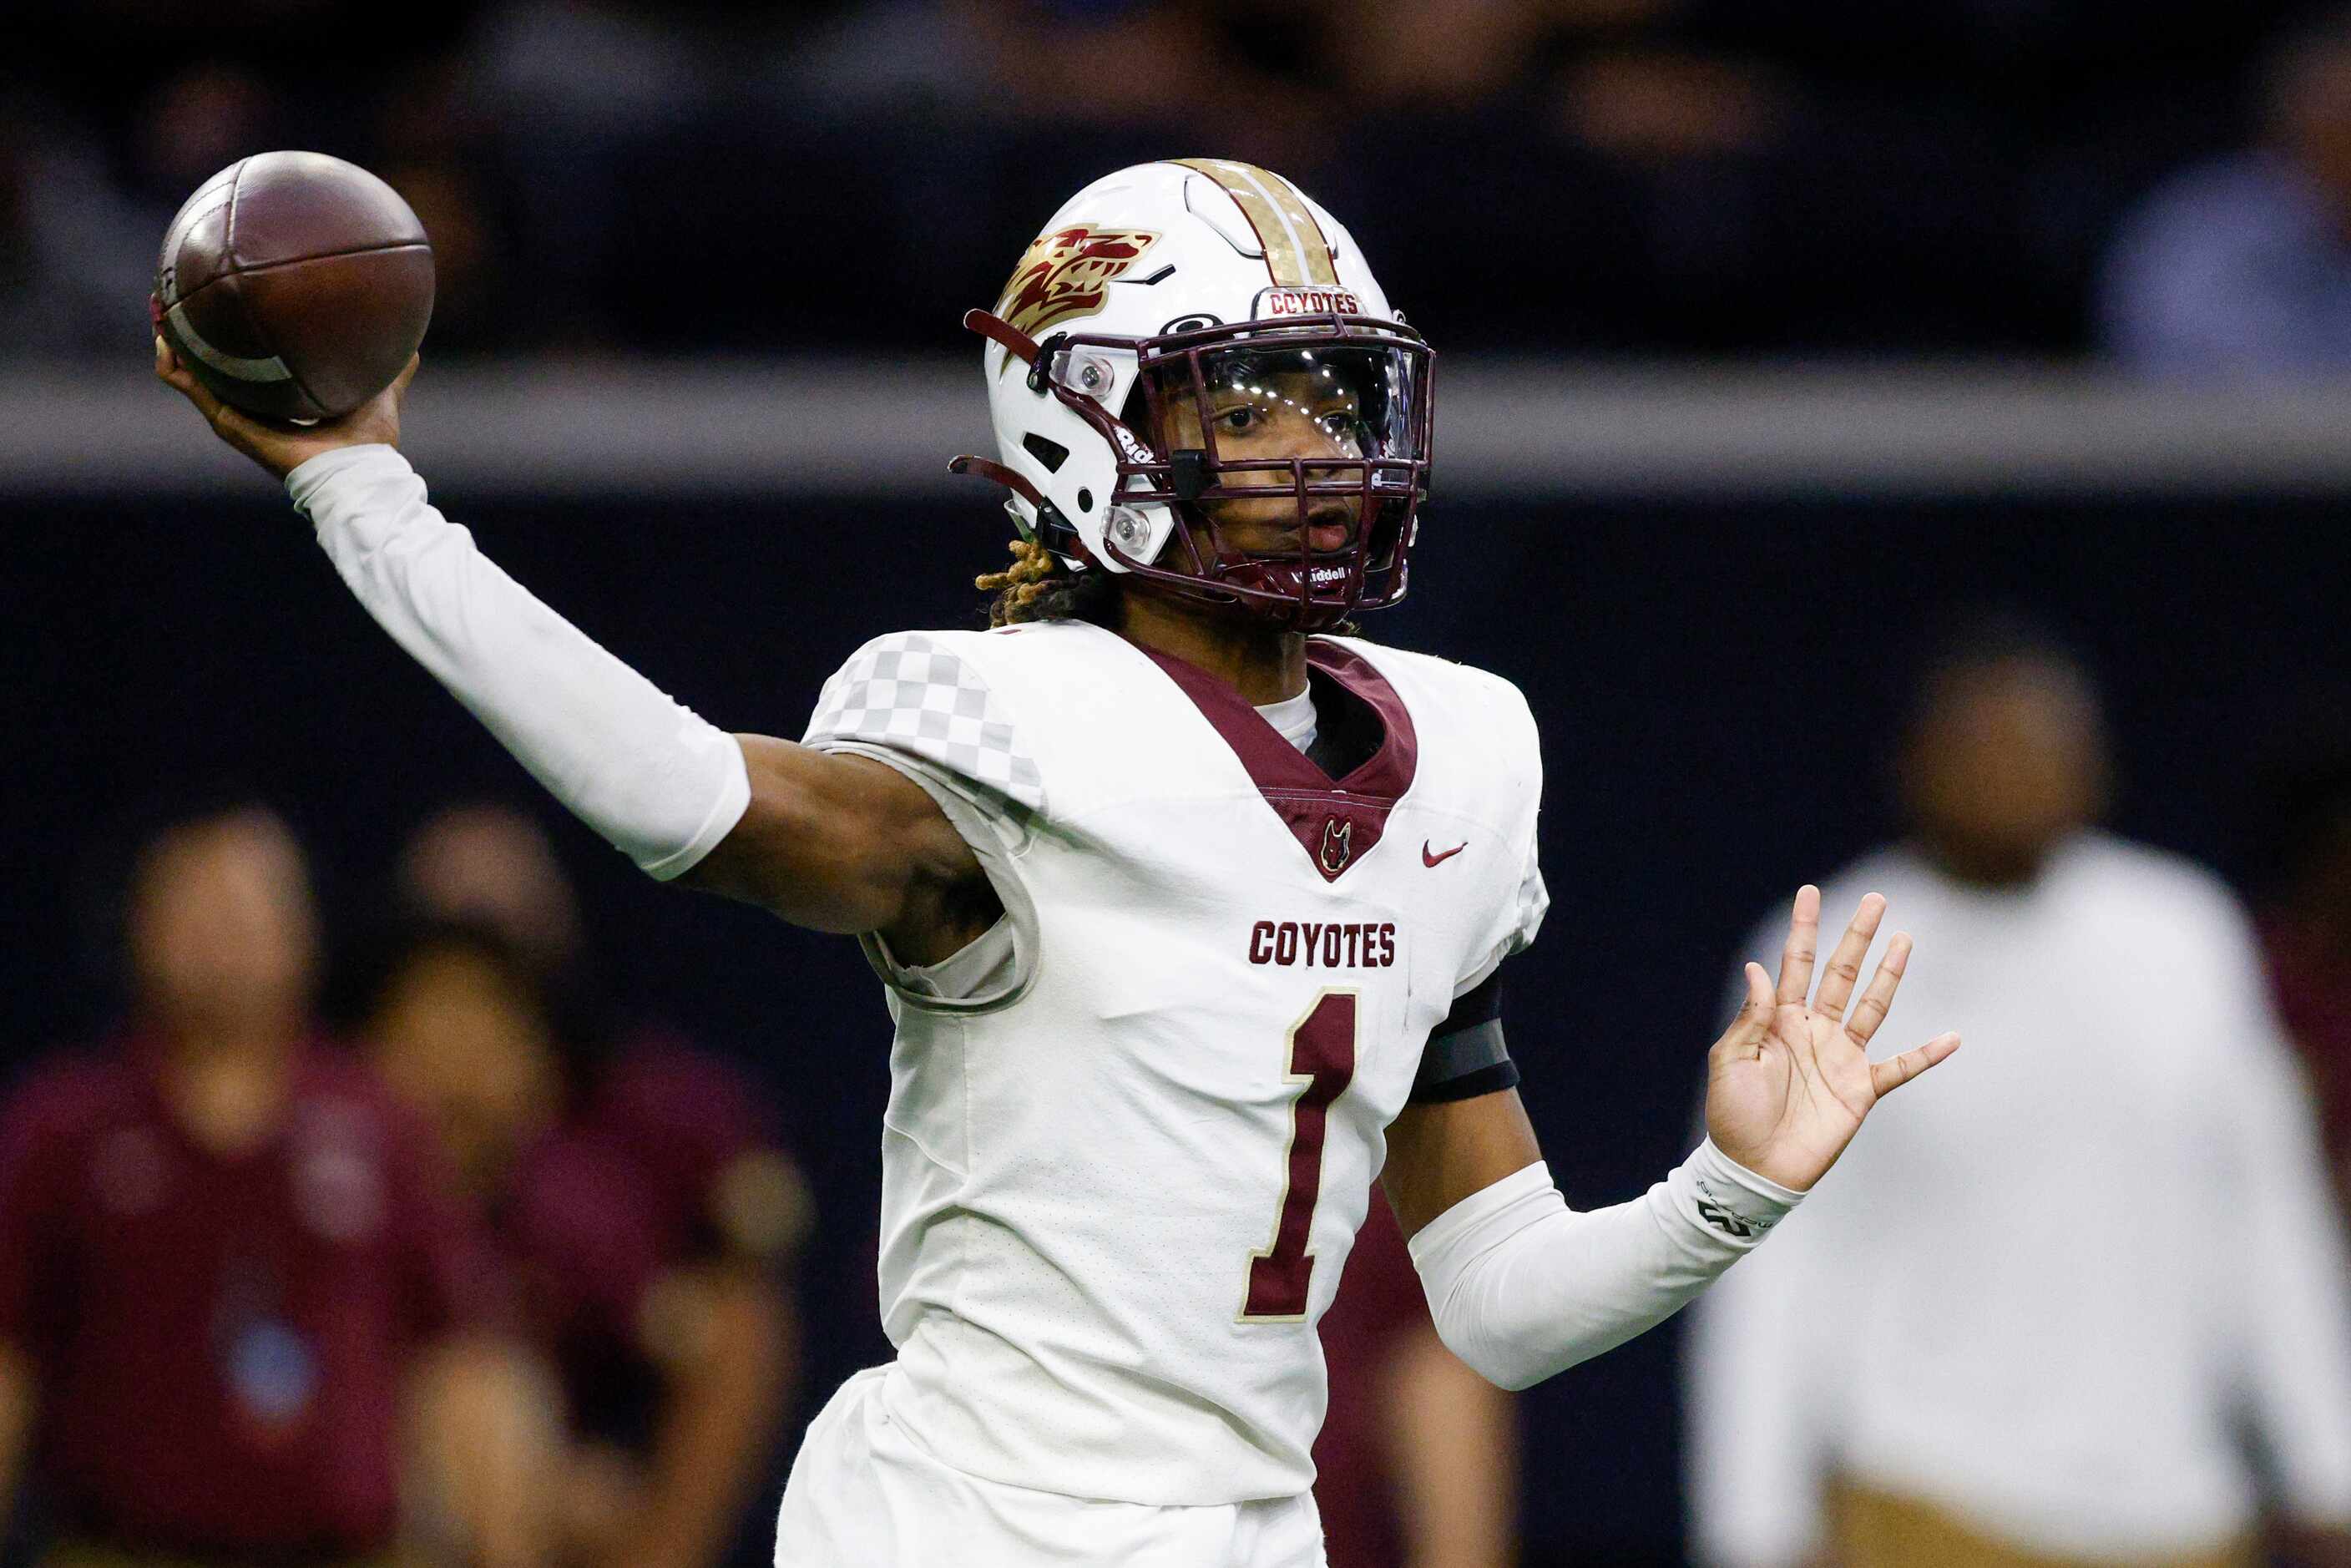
(1428, 859)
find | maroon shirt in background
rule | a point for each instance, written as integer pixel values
(1380, 1301)
(602, 1208)
(220, 1342)
(2310, 981)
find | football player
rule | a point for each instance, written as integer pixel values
(1190, 906)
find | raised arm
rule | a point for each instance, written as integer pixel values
(832, 843)
(1523, 1287)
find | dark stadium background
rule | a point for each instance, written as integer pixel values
(1717, 684)
(1792, 388)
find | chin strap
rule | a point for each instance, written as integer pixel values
(997, 329)
(1023, 348)
(1053, 531)
(1050, 531)
(987, 469)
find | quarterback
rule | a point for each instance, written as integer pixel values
(1191, 907)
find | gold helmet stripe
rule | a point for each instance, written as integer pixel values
(1297, 253)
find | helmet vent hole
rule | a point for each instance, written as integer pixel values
(1051, 453)
(1085, 500)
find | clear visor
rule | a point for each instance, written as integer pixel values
(1257, 403)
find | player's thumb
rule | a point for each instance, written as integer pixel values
(1754, 1021)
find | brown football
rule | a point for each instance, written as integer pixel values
(294, 284)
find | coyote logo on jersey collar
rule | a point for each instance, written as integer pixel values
(1068, 273)
(1338, 845)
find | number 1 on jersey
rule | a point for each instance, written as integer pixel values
(1321, 1047)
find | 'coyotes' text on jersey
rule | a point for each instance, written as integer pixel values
(1122, 1175)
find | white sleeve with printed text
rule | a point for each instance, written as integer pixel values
(1523, 1287)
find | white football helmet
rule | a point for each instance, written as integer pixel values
(1171, 281)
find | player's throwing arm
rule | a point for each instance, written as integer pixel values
(835, 844)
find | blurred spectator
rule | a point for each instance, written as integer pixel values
(2305, 924)
(1441, 53)
(431, 142)
(80, 245)
(1417, 1463)
(228, 1260)
(2128, 1259)
(490, 867)
(2242, 266)
(638, 1192)
(1675, 174)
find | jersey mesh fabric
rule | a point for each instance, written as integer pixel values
(1078, 1183)
(909, 693)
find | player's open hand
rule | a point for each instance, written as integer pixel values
(1787, 1087)
(282, 448)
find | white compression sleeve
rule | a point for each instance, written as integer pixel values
(659, 783)
(1523, 1287)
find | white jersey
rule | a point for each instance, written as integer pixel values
(1120, 1180)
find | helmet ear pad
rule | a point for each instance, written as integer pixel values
(1057, 432)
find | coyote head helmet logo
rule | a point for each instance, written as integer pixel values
(1067, 273)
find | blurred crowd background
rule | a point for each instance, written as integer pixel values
(388, 1174)
(2168, 182)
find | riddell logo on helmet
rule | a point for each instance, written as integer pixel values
(1067, 273)
(1272, 302)
(1135, 451)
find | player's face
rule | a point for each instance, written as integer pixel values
(1298, 410)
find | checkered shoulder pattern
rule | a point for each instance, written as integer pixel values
(910, 693)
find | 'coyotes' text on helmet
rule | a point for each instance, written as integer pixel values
(1169, 302)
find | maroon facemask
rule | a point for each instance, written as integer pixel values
(1352, 399)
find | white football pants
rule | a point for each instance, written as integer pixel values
(862, 1495)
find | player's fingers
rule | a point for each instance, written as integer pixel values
(237, 427)
(230, 424)
(1885, 1077)
(1803, 941)
(174, 370)
(180, 379)
(1754, 1021)
(1875, 1001)
(1844, 970)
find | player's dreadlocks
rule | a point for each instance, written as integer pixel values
(1036, 587)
